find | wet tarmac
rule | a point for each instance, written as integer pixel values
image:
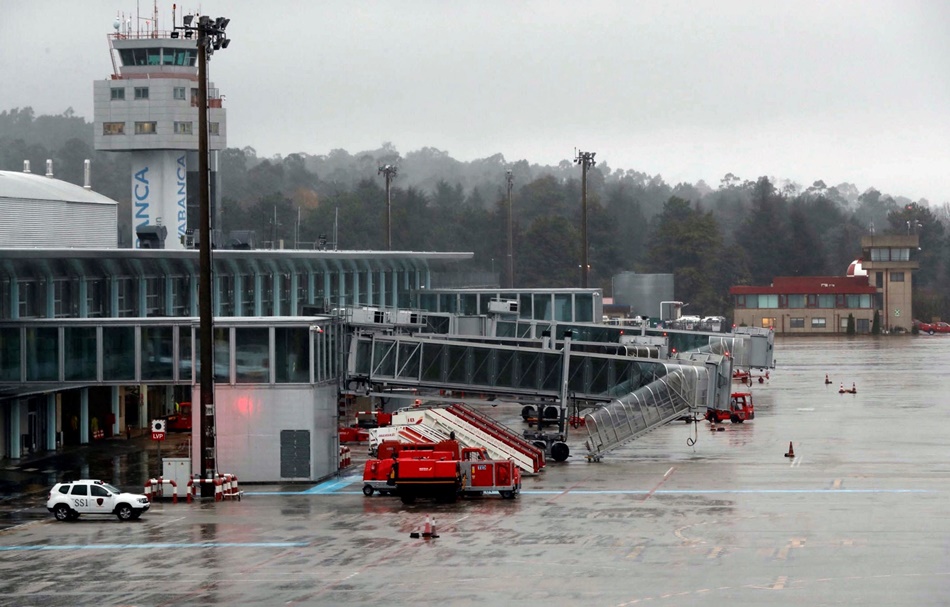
(857, 516)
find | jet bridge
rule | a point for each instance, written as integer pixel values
(630, 396)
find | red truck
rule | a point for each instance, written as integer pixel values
(470, 473)
(740, 409)
(377, 473)
(180, 421)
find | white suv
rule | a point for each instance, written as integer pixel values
(67, 501)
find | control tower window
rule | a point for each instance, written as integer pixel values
(181, 56)
(118, 94)
(179, 92)
(154, 56)
(113, 128)
(141, 92)
(145, 128)
(183, 128)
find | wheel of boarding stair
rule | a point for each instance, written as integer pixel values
(507, 494)
(560, 452)
(367, 490)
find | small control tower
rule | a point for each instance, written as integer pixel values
(149, 107)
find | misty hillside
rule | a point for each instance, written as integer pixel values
(742, 230)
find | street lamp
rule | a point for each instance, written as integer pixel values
(586, 160)
(511, 263)
(389, 171)
(210, 37)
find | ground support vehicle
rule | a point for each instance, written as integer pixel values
(377, 473)
(448, 479)
(180, 421)
(69, 501)
(740, 409)
(932, 327)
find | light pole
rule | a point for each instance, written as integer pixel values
(586, 160)
(389, 171)
(511, 262)
(210, 35)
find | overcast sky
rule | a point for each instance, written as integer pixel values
(848, 91)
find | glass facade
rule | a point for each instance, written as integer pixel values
(285, 352)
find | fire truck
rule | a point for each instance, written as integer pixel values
(740, 409)
(445, 473)
(377, 473)
(180, 421)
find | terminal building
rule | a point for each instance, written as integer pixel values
(95, 341)
(880, 282)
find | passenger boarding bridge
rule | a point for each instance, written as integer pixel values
(623, 396)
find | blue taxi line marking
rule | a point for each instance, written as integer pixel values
(334, 488)
(133, 546)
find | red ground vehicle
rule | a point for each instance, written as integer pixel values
(933, 327)
(740, 409)
(377, 473)
(468, 472)
(181, 420)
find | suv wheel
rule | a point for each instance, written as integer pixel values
(124, 512)
(62, 513)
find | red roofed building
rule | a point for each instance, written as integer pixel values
(880, 282)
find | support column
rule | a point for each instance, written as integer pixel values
(193, 287)
(114, 297)
(83, 297)
(169, 296)
(84, 416)
(238, 294)
(144, 420)
(294, 288)
(14, 431)
(119, 420)
(143, 297)
(216, 295)
(51, 298)
(311, 287)
(370, 295)
(52, 422)
(277, 292)
(356, 289)
(258, 295)
(14, 298)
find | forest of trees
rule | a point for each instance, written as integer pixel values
(741, 231)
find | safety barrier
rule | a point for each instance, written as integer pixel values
(159, 488)
(345, 460)
(225, 487)
(229, 487)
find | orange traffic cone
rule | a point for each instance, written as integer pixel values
(791, 450)
(827, 381)
(427, 530)
(434, 534)
(841, 389)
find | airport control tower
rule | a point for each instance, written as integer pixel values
(149, 107)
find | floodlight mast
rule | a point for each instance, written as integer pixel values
(586, 160)
(509, 178)
(210, 37)
(389, 172)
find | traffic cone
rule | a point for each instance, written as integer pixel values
(434, 534)
(427, 530)
(827, 381)
(791, 450)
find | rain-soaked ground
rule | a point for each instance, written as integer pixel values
(858, 516)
